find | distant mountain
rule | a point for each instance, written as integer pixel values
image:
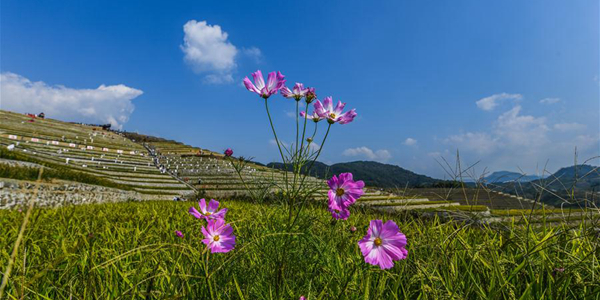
(507, 176)
(575, 184)
(374, 174)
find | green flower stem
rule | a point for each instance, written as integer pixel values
(299, 163)
(283, 160)
(306, 175)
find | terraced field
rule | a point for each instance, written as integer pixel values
(89, 150)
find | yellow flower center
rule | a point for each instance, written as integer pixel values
(216, 238)
(339, 192)
(377, 242)
(208, 213)
(332, 116)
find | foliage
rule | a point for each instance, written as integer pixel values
(101, 251)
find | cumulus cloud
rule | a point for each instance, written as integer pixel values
(569, 126)
(208, 51)
(105, 104)
(516, 139)
(515, 129)
(549, 100)
(478, 142)
(489, 103)
(253, 53)
(379, 155)
(410, 142)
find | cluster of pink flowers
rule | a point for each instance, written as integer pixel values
(322, 110)
(218, 235)
(383, 244)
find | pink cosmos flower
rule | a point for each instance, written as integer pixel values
(218, 236)
(344, 191)
(326, 110)
(302, 298)
(208, 212)
(179, 233)
(383, 244)
(297, 93)
(228, 152)
(316, 118)
(339, 213)
(275, 82)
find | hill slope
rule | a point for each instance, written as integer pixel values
(374, 174)
(581, 182)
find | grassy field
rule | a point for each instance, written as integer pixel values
(130, 251)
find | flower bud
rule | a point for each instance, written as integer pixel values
(310, 95)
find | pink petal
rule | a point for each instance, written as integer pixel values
(250, 86)
(285, 91)
(213, 205)
(339, 108)
(271, 81)
(195, 213)
(328, 105)
(202, 205)
(219, 214)
(319, 109)
(258, 80)
(394, 252)
(333, 182)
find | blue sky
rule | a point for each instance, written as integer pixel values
(512, 84)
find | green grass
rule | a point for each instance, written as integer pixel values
(129, 251)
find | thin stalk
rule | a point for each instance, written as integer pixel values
(239, 172)
(283, 160)
(299, 155)
(297, 126)
(307, 172)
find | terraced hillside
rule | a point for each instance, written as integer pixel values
(88, 150)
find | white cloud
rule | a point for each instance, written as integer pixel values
(478, 142)
(410, 142)
(379, 155)
(515, 130)
(253, 53)
(549, 100)
(569, 126)
(208, 51)
(517, 140)
(489, 103)
(105, 104)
